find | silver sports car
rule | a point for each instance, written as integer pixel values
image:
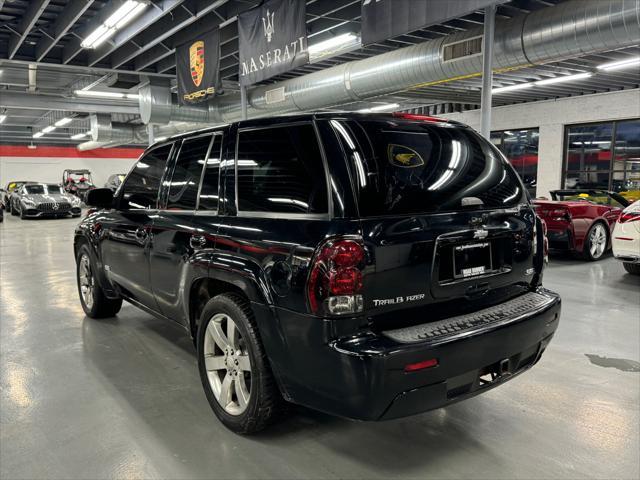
(34, 200)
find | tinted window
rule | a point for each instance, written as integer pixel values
(34, 189)
(280, 170)
(183, 189)
(141, 187)
(53, 189)
(209, 191)
(417, 167)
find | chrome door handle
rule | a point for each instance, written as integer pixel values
(197, 241)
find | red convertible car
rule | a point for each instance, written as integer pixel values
(581, 220)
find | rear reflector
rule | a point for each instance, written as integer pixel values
(413, 367)
(624, 238)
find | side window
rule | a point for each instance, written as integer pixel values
(185, 181)
(210, 182)
(280, 170)
(140, 190)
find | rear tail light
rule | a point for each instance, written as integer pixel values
(545, 240)
(629, 217)
(335, 279)
(559, 214)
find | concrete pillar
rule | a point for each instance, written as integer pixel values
(550, 159)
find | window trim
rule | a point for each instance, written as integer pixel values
(565, 149)
(213, 140)
(164, 174)
(292, 216)
(169, 174)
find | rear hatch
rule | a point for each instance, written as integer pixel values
(445, 218)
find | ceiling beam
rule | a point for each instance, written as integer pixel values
(81, 69)
(72, 12)
(73, 47)
(31, 16)
(228, 31)
(150, 16)
(164, 29)
(51, 102)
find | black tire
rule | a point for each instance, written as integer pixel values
(587, 252)
(101, 306)
(632, 268)
(265, 403)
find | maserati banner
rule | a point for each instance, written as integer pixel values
(273, 39)
(198, 68)
(384, 19)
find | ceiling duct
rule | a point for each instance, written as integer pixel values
(570, 29)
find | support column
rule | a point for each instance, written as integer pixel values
(151, 133)
(487, 70)
(243, 101)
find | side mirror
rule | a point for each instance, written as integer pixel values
(99, 198)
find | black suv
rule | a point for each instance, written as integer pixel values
(369, 266)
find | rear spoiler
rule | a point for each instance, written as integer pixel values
(593, 192)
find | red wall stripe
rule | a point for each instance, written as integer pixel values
(68, 152)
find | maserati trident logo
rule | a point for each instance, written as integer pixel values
(196, 62)
(267, 23)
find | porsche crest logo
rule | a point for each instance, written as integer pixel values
(196, 62)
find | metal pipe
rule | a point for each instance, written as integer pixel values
(487, 71)
(567, 30)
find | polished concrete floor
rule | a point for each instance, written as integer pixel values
(121, 398)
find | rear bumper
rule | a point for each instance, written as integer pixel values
(560, 238)
(363, 377)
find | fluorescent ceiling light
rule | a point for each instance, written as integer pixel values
(64, 121)
(31, 146)
(48, 129)
(620, 64)
(38, 135)
(161, 139)
(518, 86)
(380, 108)
(2, 118)
(78, 136)
(118, 19)
(332, 44)
(103, 94)
(565, 78)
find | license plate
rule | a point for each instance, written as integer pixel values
(472, 260)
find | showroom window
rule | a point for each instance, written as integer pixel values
(140, 189)
(521, 148)
(185, 181)
(209, 193)
(280, 170)
(604, 155)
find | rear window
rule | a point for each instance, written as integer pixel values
(400, 167)
(280, 170)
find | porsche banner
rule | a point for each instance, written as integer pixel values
(384, 19)
(273, 39)
(198, 68)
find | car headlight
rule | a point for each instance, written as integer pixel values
(75, 201)
(29, 203)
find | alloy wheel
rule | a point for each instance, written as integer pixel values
(87, 283)
(227, 363)
(597, 241)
